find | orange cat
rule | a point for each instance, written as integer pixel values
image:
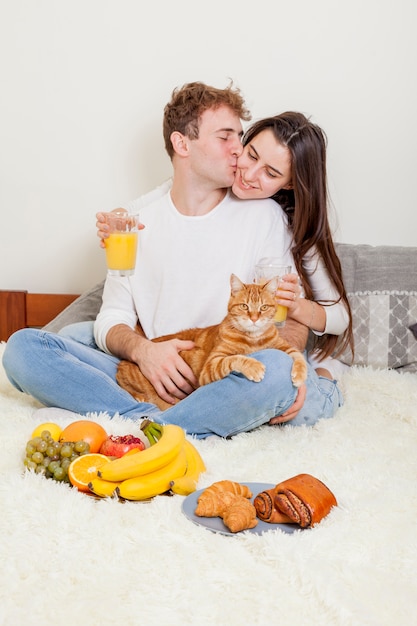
(248, 327)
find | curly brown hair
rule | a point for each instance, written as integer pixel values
(189, 102)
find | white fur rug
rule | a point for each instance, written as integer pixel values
(69, 559)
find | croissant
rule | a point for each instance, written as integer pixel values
(233, 487)
(240, 515)
(230, 501)
(266, 509)
(212, 503)
(305, 499)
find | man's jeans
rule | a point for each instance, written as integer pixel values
(67, 370)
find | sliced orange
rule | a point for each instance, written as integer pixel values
(83, 469)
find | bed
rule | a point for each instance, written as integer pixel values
(20, 309)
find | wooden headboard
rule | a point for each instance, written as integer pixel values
(20, 309)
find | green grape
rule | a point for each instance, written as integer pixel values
(65, 463)
(73, 456)
(52, 466)
(50, 450)
(46, 435)
(31, 465)
(46, 461)
(35, 441)
(40, 469)
(59, 474)
(37, 457)
(30, 448)
(66, 451)
(81, 446)
(42, 445)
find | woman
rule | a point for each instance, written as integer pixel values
(284, 158)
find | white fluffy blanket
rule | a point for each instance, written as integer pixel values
(69, 559)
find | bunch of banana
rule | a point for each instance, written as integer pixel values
(155, 470)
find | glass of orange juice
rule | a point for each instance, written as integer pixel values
(266, 269)
(122, 242)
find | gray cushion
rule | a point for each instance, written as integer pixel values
(378, 268)
(381, 282)
(83, 309)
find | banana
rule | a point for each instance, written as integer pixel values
(103, 488)
(184, 485)
(154, 483)
(146, 461)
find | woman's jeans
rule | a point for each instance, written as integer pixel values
(67, 370)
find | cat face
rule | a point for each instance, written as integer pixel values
(252, 307)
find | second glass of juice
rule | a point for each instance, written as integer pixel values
(266, 269)
(122, 242)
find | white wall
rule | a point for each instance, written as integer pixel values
(84, 83)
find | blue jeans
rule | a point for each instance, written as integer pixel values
(61, 371)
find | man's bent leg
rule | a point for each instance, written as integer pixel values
(61, 372)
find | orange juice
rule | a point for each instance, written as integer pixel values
(121, 251)
(281, 312)
(267, 269)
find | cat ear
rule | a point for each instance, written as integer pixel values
(235, 284)
(272, 285)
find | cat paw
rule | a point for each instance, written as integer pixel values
(299, 374)
(255, 372)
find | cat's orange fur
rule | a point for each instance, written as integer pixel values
(220, 349)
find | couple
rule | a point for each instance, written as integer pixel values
(197, 233)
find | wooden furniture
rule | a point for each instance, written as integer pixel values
(20, 309)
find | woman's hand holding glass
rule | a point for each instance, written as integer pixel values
(289, 292)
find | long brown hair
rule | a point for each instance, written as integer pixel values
(306, 206)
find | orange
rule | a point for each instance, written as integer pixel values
(54, 429)
(83, 469)
(86, 430)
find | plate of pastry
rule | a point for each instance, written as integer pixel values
(216, 524)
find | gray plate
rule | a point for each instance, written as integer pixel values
(216, 525)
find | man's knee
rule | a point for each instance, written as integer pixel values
(16, 341)
(13, 355)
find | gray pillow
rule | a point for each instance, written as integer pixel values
(381, 282)
(381, 321)
(83, 309)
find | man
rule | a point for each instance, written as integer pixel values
(196, 235)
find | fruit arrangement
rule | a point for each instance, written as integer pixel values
(85, 456)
